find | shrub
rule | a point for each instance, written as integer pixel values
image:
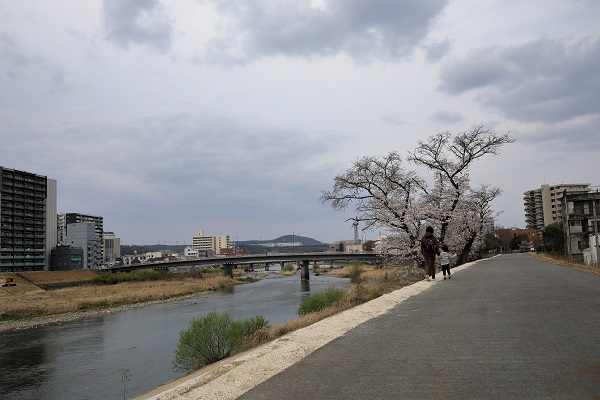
(355, 271)
(133, 276)
(213, 338)
(320, 300)
(288, 268)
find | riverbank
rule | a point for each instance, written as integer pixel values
(27, 306)
(234, 376)
(36, 322)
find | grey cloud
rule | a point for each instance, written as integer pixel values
(446, 117)
(393, 120)
(363, 29)
(436, 51)
(577, 136)
(17, 65)
(183, 154)
(183, 168)
(541, 81)
(139, 22)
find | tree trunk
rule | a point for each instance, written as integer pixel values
(464, 254)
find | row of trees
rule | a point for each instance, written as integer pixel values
(387, 196)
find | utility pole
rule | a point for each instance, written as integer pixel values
(595, 231)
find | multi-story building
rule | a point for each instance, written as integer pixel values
(581, 220)
(111, 247)
(27, 220)
(73, 218)
(82, 235)
(210, 244)
(543, 205)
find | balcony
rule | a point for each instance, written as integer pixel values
(575, 229)
(579, 216)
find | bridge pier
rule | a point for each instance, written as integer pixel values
(304, 271)
(227, 270)
(266, 266)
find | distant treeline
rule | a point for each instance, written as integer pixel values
(258, 249)
(309, 245)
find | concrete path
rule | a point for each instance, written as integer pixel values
(512, 327)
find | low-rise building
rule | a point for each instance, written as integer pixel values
(66, 258)
(347, 246)
(507, 235)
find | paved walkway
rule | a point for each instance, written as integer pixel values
(512, 327)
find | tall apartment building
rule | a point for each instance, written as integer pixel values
(543, 206)
(28, 220)
(210, 244)
(73, 218)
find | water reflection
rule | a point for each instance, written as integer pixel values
(305, 286)
(23, 361)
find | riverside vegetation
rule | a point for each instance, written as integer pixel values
(109, 292)
(27, 306)
(97, 291)
(216, 336)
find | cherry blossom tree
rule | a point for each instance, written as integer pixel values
(384, 194)
(449, 157)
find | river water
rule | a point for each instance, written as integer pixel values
(86, 359)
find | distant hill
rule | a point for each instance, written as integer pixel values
(306, 241)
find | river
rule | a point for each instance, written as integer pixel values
(87, 359)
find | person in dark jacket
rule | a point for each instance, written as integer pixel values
(430, 248)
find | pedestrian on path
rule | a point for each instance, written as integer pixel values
(429, 249)
(444, 258)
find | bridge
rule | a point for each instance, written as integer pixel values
(228, 263)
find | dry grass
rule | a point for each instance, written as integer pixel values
(374, 282)
(95, 297)
(285, 273)
(46, 277)
(569, 264)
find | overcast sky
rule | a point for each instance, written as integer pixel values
(231, 116)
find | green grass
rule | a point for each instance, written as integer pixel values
(320, 300)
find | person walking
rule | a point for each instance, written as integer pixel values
(445, 261)
(429, 249)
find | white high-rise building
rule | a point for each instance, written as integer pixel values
(210, 244)
(111, 247)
